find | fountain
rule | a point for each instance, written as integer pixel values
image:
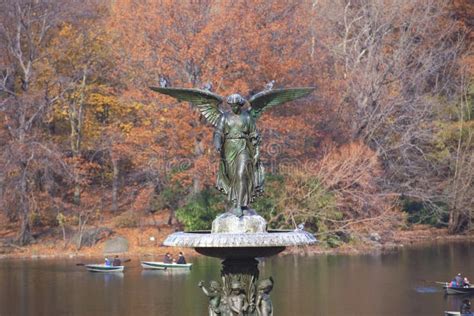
(240, 235)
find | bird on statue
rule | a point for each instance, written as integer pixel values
(207, 86)
(300, 226)
(269, 85)
(164, 82)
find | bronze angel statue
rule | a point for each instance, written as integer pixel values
(236, 138)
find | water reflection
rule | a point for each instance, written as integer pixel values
(454, 302)
(166, 272)
(400, 283)
(107, 279)
(154, 273)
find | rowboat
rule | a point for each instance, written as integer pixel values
(103, 268)
(458, 290)
(162, 265)
(453, 313)
(152, 265)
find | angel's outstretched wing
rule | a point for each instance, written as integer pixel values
(206, 101)
(268, 98)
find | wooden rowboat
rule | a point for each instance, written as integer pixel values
(103, 268)
(450, 313)
(161, 265)
(458, 290)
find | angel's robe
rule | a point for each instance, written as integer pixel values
(240, 174)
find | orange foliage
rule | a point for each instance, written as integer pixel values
(351, 174)
(354, 173)
(236, 44)
(98, 70)
(142, 200)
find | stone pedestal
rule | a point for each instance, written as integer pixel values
(238, 241)
(247, 224)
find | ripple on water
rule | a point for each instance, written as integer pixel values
(427, 289)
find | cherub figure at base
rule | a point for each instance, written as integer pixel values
(237, 300)
(264, 303)
(214, 294)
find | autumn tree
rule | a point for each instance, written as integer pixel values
(389, 124)
(399, 63)
(453, 148)
(27, 94)
(191, 44)
(79, 56)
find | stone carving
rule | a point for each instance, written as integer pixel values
(245, 272)
(237, 300)
(240, 296)
(230, 223)
(214, 293)
(264, 303)
(241, 174)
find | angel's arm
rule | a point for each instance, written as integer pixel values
(219, 133)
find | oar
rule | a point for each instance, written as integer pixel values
(430, 281)
(124, 261)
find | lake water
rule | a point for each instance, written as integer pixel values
(399, 283)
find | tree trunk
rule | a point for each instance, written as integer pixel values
(115, 184)
(458, 222)
(77, 191)
(63, 229)
(76, 117)
(83, 218)
(25, 236)
(171, 216)
(2, 179)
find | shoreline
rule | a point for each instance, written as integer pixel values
(402, 240)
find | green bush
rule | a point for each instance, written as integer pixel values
(267, 205)
(422, 213)
(332, 241)
(170, 197)
(201, 209)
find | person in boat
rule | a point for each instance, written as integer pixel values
(168, 258)
(117, 261)
(466, 282)
(181, 259)
(466, 308)
(107, 262)
(459, 280)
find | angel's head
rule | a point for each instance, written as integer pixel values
(236, 101)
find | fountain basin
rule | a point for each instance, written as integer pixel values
(239, 252)
(239, 245)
